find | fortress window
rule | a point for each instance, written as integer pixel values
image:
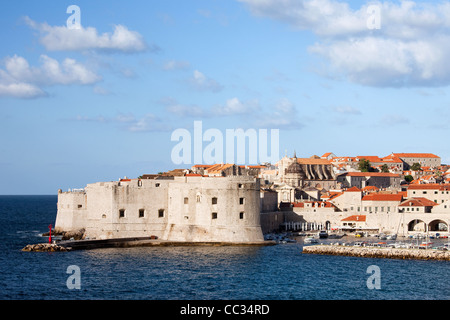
(241, 215)
(240, 185)
(80, 206)
(141, 213)
(241, 200)
(214, 200)
(122, 213)
(198, 198)
(186, 200)
(214, 215)
(157, 185)
(161, 213)
(139, 183)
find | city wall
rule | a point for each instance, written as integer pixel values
(188, 208)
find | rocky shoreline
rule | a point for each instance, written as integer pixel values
(45, 247)
(374, 252)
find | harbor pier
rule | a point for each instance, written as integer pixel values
(378, 252)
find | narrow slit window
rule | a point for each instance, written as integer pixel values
(141, 213)
(241, 215)
(122, 213)
(161, 213)
(214, 215)
(214, 200)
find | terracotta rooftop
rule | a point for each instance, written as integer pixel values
(430, 186)
(418, 202)
(313, 161)
(383, 197)
(359, 218)
(415, 155)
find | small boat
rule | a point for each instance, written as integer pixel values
(391, 237)
(310, 240)
(323, 234)
(426, 244)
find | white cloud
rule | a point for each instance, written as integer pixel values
(201, 82)
(129, 122)
(20, 90)
(409, 49)
(393, 120)
(21, 80)
(234, 106)
(176, 65)
(283, 116)
(346, 110)
(61, 38)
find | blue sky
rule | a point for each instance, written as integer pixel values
(100, 103)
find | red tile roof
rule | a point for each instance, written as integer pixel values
(392, 159)
(383, 197)
(415, 155)
(418, 202)
(430, 186)
(359, 218)
(370, 188)
(313, 161)
(370, 158)
(353, 189)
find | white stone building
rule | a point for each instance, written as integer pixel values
(190, 208)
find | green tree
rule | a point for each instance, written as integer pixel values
(409, 178)
(416, 167)
(384, 168)
(364, 165)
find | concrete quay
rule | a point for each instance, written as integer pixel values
(148, 242)
(376, 252)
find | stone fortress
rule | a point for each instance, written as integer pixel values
(236, 204)
(190, 208)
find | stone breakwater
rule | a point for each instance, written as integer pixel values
(44, 247)
(374, 252)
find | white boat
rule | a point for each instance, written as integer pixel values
(310, 240)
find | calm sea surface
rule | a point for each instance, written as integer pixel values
(278, 272)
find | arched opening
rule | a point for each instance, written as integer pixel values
(328, 225)
(417, 225)
(437, 225)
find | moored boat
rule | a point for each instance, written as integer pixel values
(310, 240)
(323, 234)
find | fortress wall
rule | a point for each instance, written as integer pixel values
(158, 207)
(107, 200)
(72, 211)
(204, 219)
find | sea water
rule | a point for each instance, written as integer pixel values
(279, 272)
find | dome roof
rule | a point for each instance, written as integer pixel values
(295, 168)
